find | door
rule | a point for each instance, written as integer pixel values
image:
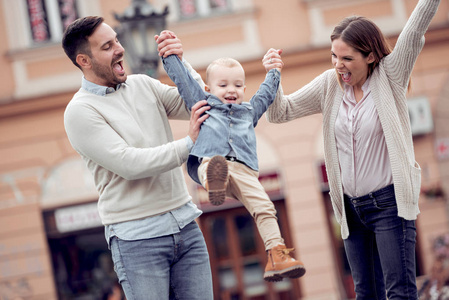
(238, 257)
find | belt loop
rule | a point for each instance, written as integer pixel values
(374, 198)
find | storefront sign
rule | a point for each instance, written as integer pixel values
(442, 148)
(78, 217)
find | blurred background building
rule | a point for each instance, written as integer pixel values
(52, 243)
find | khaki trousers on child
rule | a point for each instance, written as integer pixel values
(243, 185)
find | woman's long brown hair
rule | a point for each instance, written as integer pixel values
(364, 36)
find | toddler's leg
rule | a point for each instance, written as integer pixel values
(245, 187)
(216, 179)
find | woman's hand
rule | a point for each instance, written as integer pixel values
(272, 60)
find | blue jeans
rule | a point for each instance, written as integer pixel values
(380, 247)
(169, 267)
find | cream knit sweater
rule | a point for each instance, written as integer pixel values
(388, 84)
(126, 141)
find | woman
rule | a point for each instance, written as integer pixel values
(373, 177)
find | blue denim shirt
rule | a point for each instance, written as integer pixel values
(229, 127)
(169, 223)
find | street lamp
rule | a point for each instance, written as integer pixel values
(138, 25)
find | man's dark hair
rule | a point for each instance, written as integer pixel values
(74, 40)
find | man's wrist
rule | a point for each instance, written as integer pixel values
(189, 142)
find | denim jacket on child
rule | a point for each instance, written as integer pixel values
(229, 127)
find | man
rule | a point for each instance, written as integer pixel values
(119, 125)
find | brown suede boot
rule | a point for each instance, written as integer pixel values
(217, 178)
(280, 264)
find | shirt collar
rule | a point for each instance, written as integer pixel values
(98, 89)
(349, 92)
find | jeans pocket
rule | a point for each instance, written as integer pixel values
(385, 203)
(116, 259)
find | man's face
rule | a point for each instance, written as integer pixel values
(106, 57)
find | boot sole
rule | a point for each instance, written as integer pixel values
(272, 277)
(217, 175)
(292, 272)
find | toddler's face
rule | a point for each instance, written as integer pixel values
(227, 83)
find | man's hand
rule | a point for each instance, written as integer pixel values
(168, 43)
(197, 117)
(272, 60)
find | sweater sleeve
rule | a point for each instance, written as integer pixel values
(188, 87)
(305, 101)
(94, 138)
(410, 42)
(168, 96)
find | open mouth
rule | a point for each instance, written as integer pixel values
(118, 67)
(346, 77)
(230, 99)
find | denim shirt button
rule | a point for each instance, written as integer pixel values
(230, 140)
(354, 201)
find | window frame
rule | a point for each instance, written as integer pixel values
(203, 9)
(54, 19)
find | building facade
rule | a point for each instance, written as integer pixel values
(52, 243)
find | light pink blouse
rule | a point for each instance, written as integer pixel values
(362, 150)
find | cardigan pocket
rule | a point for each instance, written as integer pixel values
(415, 179)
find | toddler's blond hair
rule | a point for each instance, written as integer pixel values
(225, 62)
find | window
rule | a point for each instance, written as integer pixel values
(68, 12)
(238, 256)
(49, 18)
(189, 9)
(218, 4)
(37, 13)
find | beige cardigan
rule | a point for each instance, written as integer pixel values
(388, 84)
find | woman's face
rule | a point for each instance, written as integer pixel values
(350, 64)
